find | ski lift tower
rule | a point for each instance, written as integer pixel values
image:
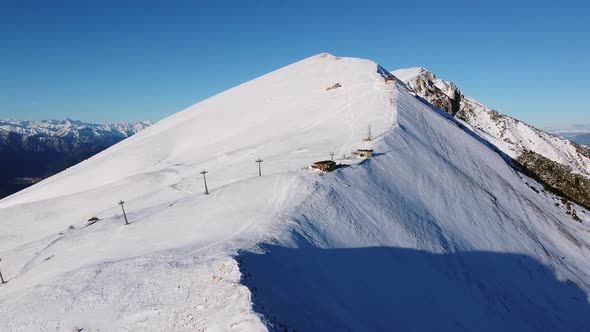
(2, 281)
(205, 181)
(122, 203)
(369, 135)
(259, 161)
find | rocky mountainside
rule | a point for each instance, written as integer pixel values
(33, 150)
(562, 165)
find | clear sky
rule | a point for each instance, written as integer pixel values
(102, 60)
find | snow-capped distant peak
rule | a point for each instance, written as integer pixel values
(409, 74)
(69, 127)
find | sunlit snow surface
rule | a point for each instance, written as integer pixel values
(434, 232)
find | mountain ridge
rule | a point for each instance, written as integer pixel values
(435, 224)
(560, 164)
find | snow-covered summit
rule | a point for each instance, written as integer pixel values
(284, 117)
(435, 225)
(409, 74)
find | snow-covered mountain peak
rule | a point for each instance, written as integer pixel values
(408, 74)
(319, 105)
(277, 246)
(69, 121)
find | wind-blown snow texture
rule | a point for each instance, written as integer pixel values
(435, 232)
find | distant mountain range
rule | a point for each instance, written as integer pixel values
(579, 136)
(68, 128)
(33, 150)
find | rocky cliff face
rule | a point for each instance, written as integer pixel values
(445, 97)
(553, 160)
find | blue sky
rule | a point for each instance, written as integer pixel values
(122, 60)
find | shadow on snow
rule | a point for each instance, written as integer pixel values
(395, 289)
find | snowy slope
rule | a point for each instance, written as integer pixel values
(226, 133)
(438, 233)
(286, 117)
(435, 224)
(510, 135)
